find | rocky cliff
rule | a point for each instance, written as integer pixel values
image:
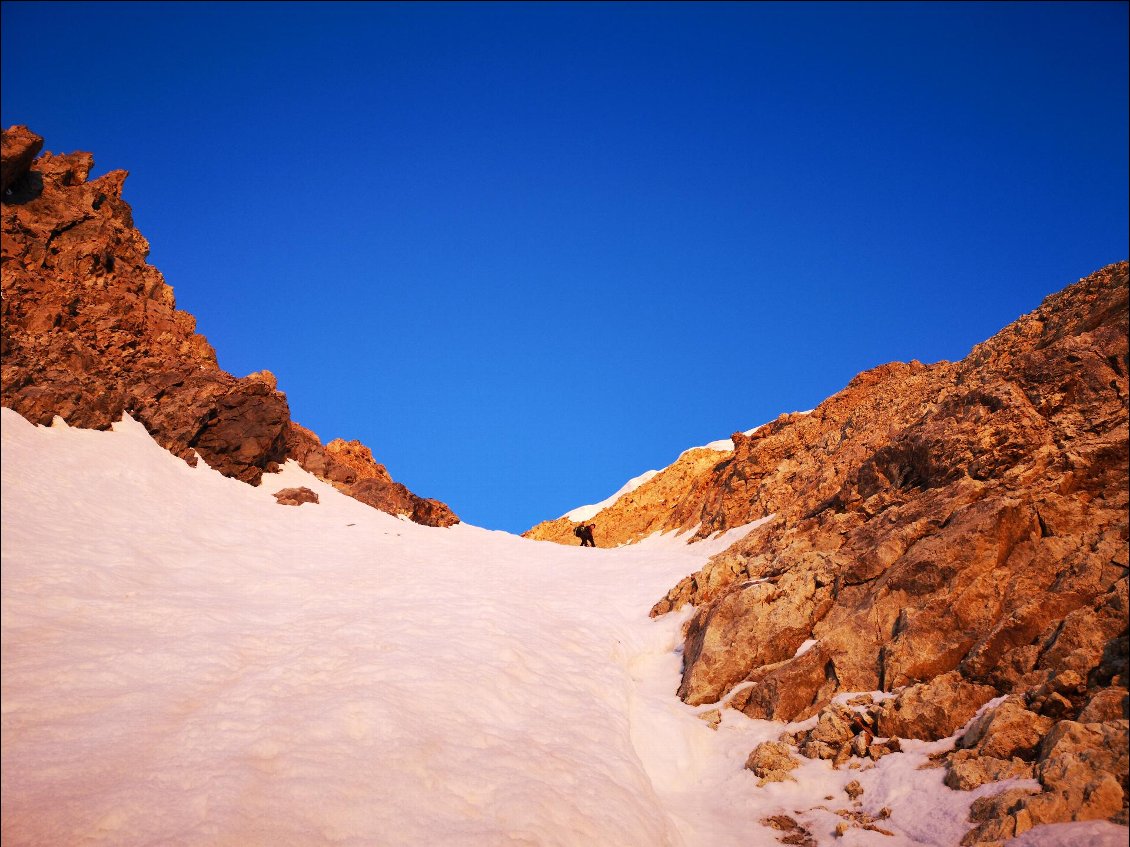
(91, 331)
(952, 534)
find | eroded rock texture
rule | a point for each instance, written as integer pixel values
(91, 331)
(954, 532)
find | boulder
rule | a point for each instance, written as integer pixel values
(771, 761)
(752, 625)
(1006, 731)
(786, 690)
(995, 817)
(295, 496)
(1082, 769)
(1106, 704)
(934, 709)
(966, 770)
(1087, 764)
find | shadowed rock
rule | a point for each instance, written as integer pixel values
(18, 150)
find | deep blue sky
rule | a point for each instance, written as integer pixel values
(528, 251)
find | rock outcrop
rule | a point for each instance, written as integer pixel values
(772, 761)
(350, 467)
(91, 332)
(929, 519)
(953, 532)
(295, 496)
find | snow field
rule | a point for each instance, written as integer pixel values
(185, 662)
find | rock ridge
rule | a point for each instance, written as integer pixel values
(91, 332)
(952, 534)
(949, 533)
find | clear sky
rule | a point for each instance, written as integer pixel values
(528, 251)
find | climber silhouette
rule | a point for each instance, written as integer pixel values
(584, 532)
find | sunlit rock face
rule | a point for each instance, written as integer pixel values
(952, 533)
(967, 516)
(647, 509)
(91, 331)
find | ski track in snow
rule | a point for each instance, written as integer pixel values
(185, 662)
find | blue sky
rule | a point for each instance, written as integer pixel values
(528, 251)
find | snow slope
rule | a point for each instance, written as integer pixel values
(185, 662)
